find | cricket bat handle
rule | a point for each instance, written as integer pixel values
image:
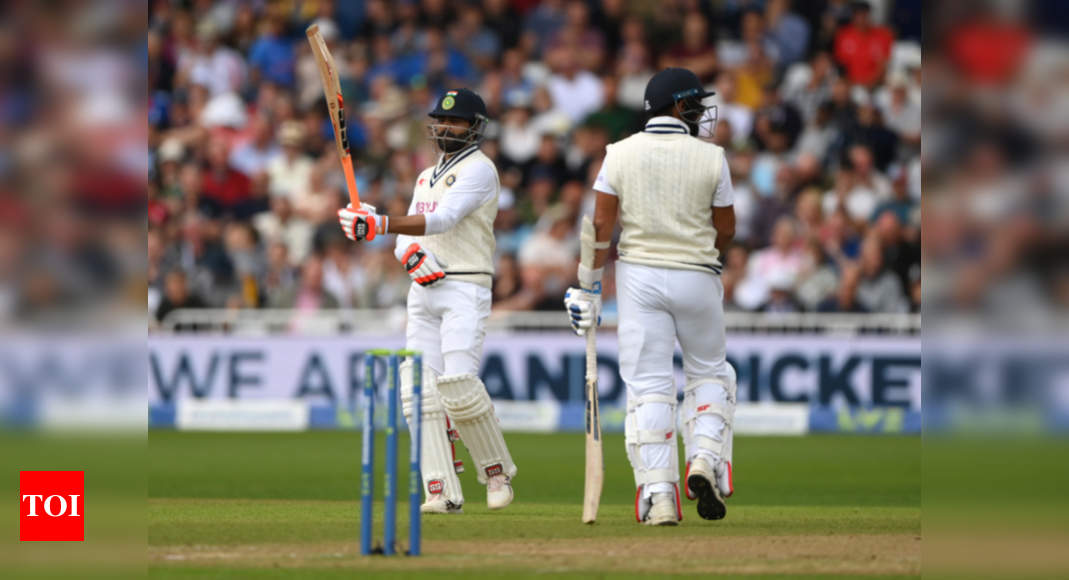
(350, 181)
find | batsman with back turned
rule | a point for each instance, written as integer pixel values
(672, 194)
(446, 244)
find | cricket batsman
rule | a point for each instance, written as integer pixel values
(672, 194)
(446, 243)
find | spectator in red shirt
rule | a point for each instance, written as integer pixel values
(225, 190)
(863, 49)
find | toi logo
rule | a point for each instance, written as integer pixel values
(52, 506)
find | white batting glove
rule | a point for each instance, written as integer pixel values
(421, 265)
(363, 223)
(584, 308)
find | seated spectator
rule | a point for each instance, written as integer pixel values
(858, 189)
(280, 275)
(574, 91)
(224, 190)
(781, 298)
(901, 255)
(271, 56)
(507, 284)
(308, 293)
(252, 157)
(808, 84)
(782, 258)
(176, 294)
(695, 50)
(520, 138)
(845, 299)
(788, 31)
(289, 174)
(817, 278)
(862, 48)
(870, 132)
(902, 114)
(730, 111)
(818, 136)
(245, 253)
(344, 277)
(879, 289)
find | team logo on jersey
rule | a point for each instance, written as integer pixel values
(448, 102)
(450, 180)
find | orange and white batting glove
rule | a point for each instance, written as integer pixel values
(421, 265)
(363, 223)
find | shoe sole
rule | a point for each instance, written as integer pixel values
(711, 504)
(664, 523)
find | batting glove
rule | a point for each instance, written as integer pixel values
(421, 265)
(584, 308)
(363, 223)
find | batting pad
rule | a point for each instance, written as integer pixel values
(708, 416)
(468, 404)
(436, 453)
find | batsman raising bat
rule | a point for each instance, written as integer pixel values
(446, 243)
(673, 196)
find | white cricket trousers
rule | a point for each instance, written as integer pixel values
(447, 323)
(658, 306)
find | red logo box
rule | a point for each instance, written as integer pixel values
(51, 506)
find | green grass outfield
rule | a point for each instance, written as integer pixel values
(285, 505)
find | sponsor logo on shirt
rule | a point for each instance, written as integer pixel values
(426, 206)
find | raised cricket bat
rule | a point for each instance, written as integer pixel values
(595, 468)
(336, 105)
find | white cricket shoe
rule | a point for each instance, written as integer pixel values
(702, 482)
(663, 510)
(498, 492)
(437, 504)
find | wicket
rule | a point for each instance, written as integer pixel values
(367, 465)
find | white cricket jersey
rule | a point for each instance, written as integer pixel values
(458, 198)
(668, 183)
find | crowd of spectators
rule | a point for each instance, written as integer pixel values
(818, 110)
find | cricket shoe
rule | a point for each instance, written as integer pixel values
(660, 509)
(703, 482)
(437, 504)
(498, 492)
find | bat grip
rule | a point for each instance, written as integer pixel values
(350, 181)
(591, 353)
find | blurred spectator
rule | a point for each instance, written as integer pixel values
(879, 289)
(176, 294)
(343, 277)
(901, 113)
(253, 156)
(781, 298)
(738, 116)
(789, 31)
(290, 173)
(308, 293)
(860, 188)
(846, 296)
(807, 85)
(817, 277)
(223, 189)
(695, 51)
(862, 48)
(869, 131)
(271, 56)
(210, 64)
(782, 259)
(900, 254)
(574, 91)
